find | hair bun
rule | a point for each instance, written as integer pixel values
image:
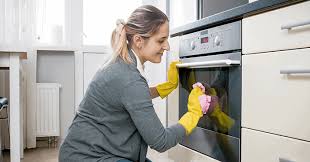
(120, 21)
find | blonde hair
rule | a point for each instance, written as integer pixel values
(145, 21)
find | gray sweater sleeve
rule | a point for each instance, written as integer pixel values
(137, 100)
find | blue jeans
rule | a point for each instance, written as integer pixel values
(147, 160)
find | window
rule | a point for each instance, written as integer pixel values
(182, 12)
(50, 22)
(99, 19)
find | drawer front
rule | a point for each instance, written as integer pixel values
(179, 153)
(263, 147)
(274, 102)
(261, 33)
(183, 154)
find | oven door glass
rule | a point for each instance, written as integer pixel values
(218, 131)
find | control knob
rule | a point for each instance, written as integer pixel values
(193, 46)
(217, 41)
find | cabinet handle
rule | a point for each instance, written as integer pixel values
(215, 63)
(294, 25)
(285, 160)
(297, 71)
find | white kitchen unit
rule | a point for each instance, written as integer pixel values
(11, 60)
(179, 153)
(257, 146)
(274, 101)
(281, 29)
(276, 85)
(173, 97)
(183, 154)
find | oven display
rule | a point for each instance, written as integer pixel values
(204, 40)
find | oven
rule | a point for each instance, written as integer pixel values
(213, 58)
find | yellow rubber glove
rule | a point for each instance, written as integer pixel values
(222, 121)
(190, 119)
(173, 80)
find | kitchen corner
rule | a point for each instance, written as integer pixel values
(68, 99)
(267, 47)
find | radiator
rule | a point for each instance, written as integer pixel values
(47, 111)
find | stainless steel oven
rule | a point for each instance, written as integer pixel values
(213, 57)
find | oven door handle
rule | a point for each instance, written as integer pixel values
(216, 63)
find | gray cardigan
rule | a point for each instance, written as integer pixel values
(116, 119)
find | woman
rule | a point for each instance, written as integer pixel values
(116, 120)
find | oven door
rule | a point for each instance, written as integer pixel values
(218, 132)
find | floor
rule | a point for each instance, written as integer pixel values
(37, 155)
(44, 153)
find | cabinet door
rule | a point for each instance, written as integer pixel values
(261, 33)
(173, 97)
(179, 153)
(184, 154)
(264, 147)
(275, 102)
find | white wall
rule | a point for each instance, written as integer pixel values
(58, 67)
(92, 62)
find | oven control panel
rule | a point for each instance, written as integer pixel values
(222, 38)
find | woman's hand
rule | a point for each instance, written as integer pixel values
(166, 88)
(173, 74)
(190, 119)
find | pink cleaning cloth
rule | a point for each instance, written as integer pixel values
(205, 102)
(198, 84)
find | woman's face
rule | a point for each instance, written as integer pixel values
(153, 48)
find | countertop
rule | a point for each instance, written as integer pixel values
(232, 15)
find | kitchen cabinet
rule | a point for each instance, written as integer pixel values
(275, 85)
(274, 101)
(12, 61)
(173, 98)
(270, 31)
(257, 146)
(183, 154)
(179, 153)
